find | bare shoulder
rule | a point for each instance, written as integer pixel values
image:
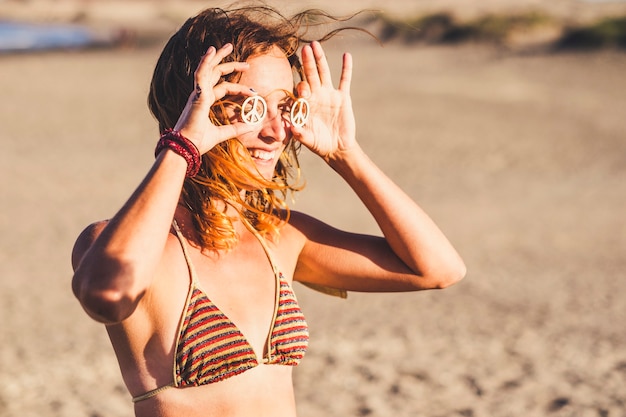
(311, 229)
(293, 237)
(85, 240)
(304, 228)
(306, 224)
(297, 218)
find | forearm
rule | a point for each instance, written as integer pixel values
(117, 267)
(139, 230)
(409, 231)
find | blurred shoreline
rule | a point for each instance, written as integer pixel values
(517, 25)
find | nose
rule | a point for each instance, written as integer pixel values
(274, 127)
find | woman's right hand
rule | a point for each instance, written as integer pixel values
(116, 262)
(194, 122)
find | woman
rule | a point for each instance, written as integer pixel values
(192, 277)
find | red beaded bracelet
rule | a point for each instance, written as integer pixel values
(174, 140)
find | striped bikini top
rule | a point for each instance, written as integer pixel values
(210, 347)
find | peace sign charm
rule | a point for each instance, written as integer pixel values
(299, 112)
(253, 110)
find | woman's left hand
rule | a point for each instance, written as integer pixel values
(331, 128)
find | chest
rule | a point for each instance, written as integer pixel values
(242, 284)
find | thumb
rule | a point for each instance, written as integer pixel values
(229, 131)
(303, 89)
(237, 129)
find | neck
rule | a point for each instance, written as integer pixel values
(184, 218)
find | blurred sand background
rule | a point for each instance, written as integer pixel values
(520, 157)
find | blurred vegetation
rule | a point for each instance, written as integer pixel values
(444, 28)
(608, 32)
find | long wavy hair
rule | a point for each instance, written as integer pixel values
(224, 175)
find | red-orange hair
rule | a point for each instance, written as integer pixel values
(252, 30)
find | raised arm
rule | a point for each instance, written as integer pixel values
(414, 253)
(115, 261)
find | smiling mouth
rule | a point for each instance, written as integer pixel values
(262, 156)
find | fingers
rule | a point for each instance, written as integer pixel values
(346, 73)
(202, 74)
(210, 60)
(234, 130)
(210, 70)
(231, 89)
(316, 69)
(308, 66)
(322, 64)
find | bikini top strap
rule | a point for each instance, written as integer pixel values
(192, 285)
(185, 248)
(317, 287)
(266, 249)
(277, 286)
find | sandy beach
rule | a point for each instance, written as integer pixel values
(520, 158)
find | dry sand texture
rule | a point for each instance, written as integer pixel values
(520, 158)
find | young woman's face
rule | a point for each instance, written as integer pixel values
(270, 75)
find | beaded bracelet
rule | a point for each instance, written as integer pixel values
(174, 140)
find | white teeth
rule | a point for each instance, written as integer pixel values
(262, 155)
